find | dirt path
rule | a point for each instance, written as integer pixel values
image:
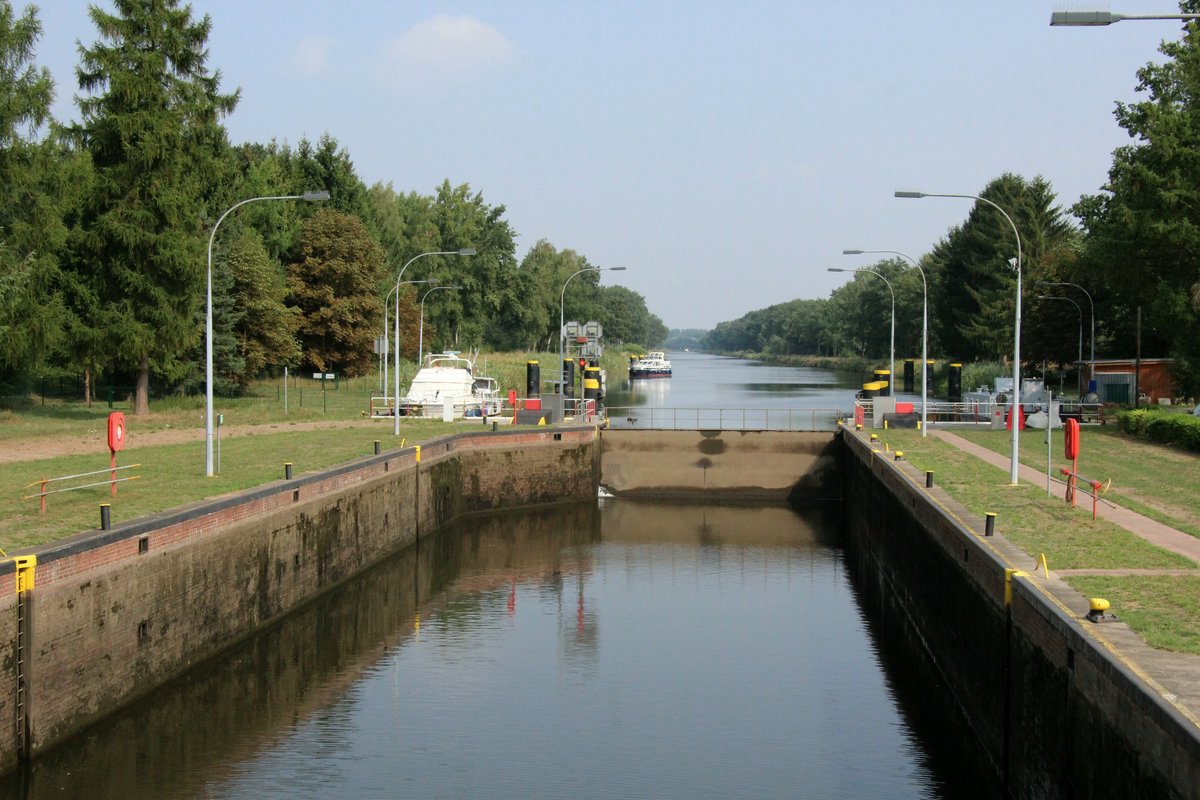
(33, 448)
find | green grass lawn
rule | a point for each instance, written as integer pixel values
(1163, 609)
(1027, 516)
(173, 475)
(1155, 480)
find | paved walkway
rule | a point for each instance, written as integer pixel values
(1174, 676)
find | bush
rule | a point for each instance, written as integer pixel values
(1162, 425)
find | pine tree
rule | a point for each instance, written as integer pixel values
(150, 120)
(33, 172)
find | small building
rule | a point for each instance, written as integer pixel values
(1122, 380)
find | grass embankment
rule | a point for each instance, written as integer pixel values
(173, 475)
(56, 438)
(1160, 482)
(1163, 609)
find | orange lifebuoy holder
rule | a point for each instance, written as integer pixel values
(116, 431)
(116, 443)
(1071, 439)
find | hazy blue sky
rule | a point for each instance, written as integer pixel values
(725, 153)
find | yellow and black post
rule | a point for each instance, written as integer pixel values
(884, 376)
(591, 383)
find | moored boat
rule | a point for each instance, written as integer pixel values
(450, 378)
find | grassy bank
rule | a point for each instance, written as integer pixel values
(1163, 609)
(173, 475)
(1158, 481)
(323, 424)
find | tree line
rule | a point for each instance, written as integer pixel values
(105, 224)
(1132, 250)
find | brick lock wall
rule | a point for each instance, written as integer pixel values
(121, 612)
(8, 673)
(1057, 715)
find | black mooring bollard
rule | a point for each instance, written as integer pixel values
(928, 479)
(376, 447)
(287, 470)
(105, 516)
(990, 525)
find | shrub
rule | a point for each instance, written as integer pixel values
(1161, 425)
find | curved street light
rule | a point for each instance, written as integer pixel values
(308, 197)
(1095, 18)
(466, 251)
(421, 338)
(892, 374)
(386, 300)
(1080, 310)
(1016, 441)
(1092, 306)
(924, 329)
(562, 379)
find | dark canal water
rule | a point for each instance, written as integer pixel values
(610, 650)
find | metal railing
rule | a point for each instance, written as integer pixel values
(726, 419)
(982, 412)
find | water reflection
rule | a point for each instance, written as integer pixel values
(631, 650)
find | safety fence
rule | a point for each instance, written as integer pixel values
(112, 482)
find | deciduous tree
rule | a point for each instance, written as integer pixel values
(334, 284)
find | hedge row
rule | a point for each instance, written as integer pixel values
(1169, 427)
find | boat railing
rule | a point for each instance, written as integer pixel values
(729, 419)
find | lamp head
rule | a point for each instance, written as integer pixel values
(467, 251)
(1087, 18)
(315, 197)
(852, 252)
(835, 269)
(910, 194)
(616, 269)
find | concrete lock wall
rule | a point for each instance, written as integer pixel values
(118, 613)
(1055, 713)
(732, 465)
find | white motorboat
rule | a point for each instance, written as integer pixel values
(449, 378)
(652, 365)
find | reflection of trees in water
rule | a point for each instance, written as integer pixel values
(203, 728)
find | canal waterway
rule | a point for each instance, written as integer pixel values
(601, 650)
(708, 381)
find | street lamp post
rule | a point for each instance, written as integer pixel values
(309, 197)
(386, 300)
(1014, 463)
(1095, 18)
(1092, 306)
(1080, 311)
(466, 251)
(562, 323)
(924, 328)
(421, 337)
(892, 352)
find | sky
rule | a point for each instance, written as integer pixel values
(725, 153)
